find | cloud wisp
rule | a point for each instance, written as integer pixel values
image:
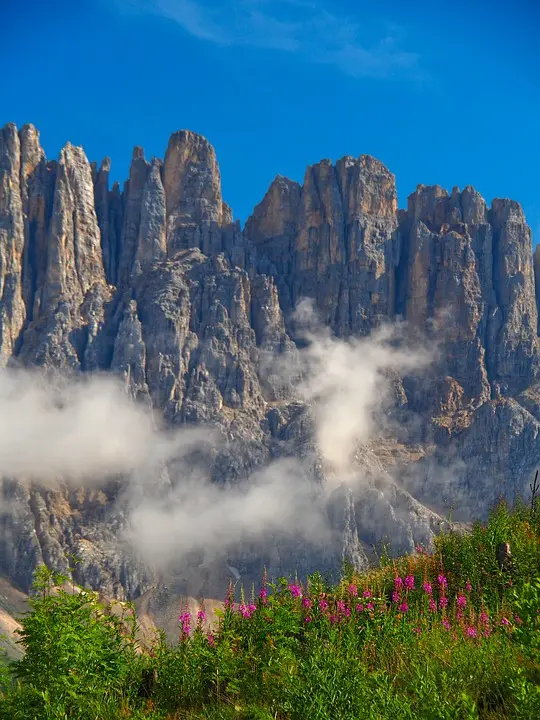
(86, 431)
(299, 27)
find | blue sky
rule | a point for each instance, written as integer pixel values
(445, 93)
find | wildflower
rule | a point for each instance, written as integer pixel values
(353, 590)
(201, 616)
(443, 602)
(409, 582)
(333, 619)
(395, 596)
(359, 608)
(369, 606)
(442, 581)
(459, 614)
(306, 602)
(307, 619)
(427, 588)
(263, 594)
(323, 605)
(417, 630)
(398, 583)
(419, 549)
(471, 632)
(211, 640)
(366, 594)
(341, 606)
(483, 617)
(446, 624)
(505, 621)
(295, 590)
(518, 620)
(403, 607)
(185, 621)
(433, 605)
(468, 586)
(461, 601)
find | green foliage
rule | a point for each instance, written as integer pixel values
(444, 635)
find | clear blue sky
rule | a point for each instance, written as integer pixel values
(442, 92)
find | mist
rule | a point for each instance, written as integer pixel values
(85, 430)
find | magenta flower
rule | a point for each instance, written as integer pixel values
(333, 619)
(295, 590)
(461, 601)
(201, 616)
(185, 621)
(369, 606)
(307, 619)
(353, 590)
(443, 602)
(409, 582)
(403, 607)
(366, 594)
(446, 624)
(211, 640)
(341, 606)
(468, 586)
(398, 583)
(395, 596)
(359, 608)
(306, 602)
(419, 549)
(432, 605)
(263, 594)
(459, 614)
(505, 621)
(323, 605)
(471, 632)
(483, 617)
(427, 588)
(442, 581)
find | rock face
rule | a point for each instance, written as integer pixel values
(158, 285)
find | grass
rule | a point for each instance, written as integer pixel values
(447, 634)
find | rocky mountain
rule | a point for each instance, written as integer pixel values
(155, 283)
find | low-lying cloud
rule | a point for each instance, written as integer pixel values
(87, 430)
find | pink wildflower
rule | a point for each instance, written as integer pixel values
(409, 582)
(471, 632)
(395, 596)
(461, 601)
(369, 606)
(459, 614)
(427, 588)
(446, 624)
(518, 620)
(211, 640)
(359, 608)
(295, 590)
(419, 549)
(403, 607)
(442, 581)
(417, 630)
(323, 605)
(341, 606)
(398, 583)
(307, 619)
(443, 602)
(263, 594)
(201, 616)
(366, 594)
(306, 602)
(483, 617)
(432, 605)
(353, 590)
(468, 586)
(505, 621)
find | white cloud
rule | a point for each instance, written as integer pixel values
(299, 27)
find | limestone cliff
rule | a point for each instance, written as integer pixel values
(157, 284)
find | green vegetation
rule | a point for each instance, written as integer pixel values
(444, 635)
